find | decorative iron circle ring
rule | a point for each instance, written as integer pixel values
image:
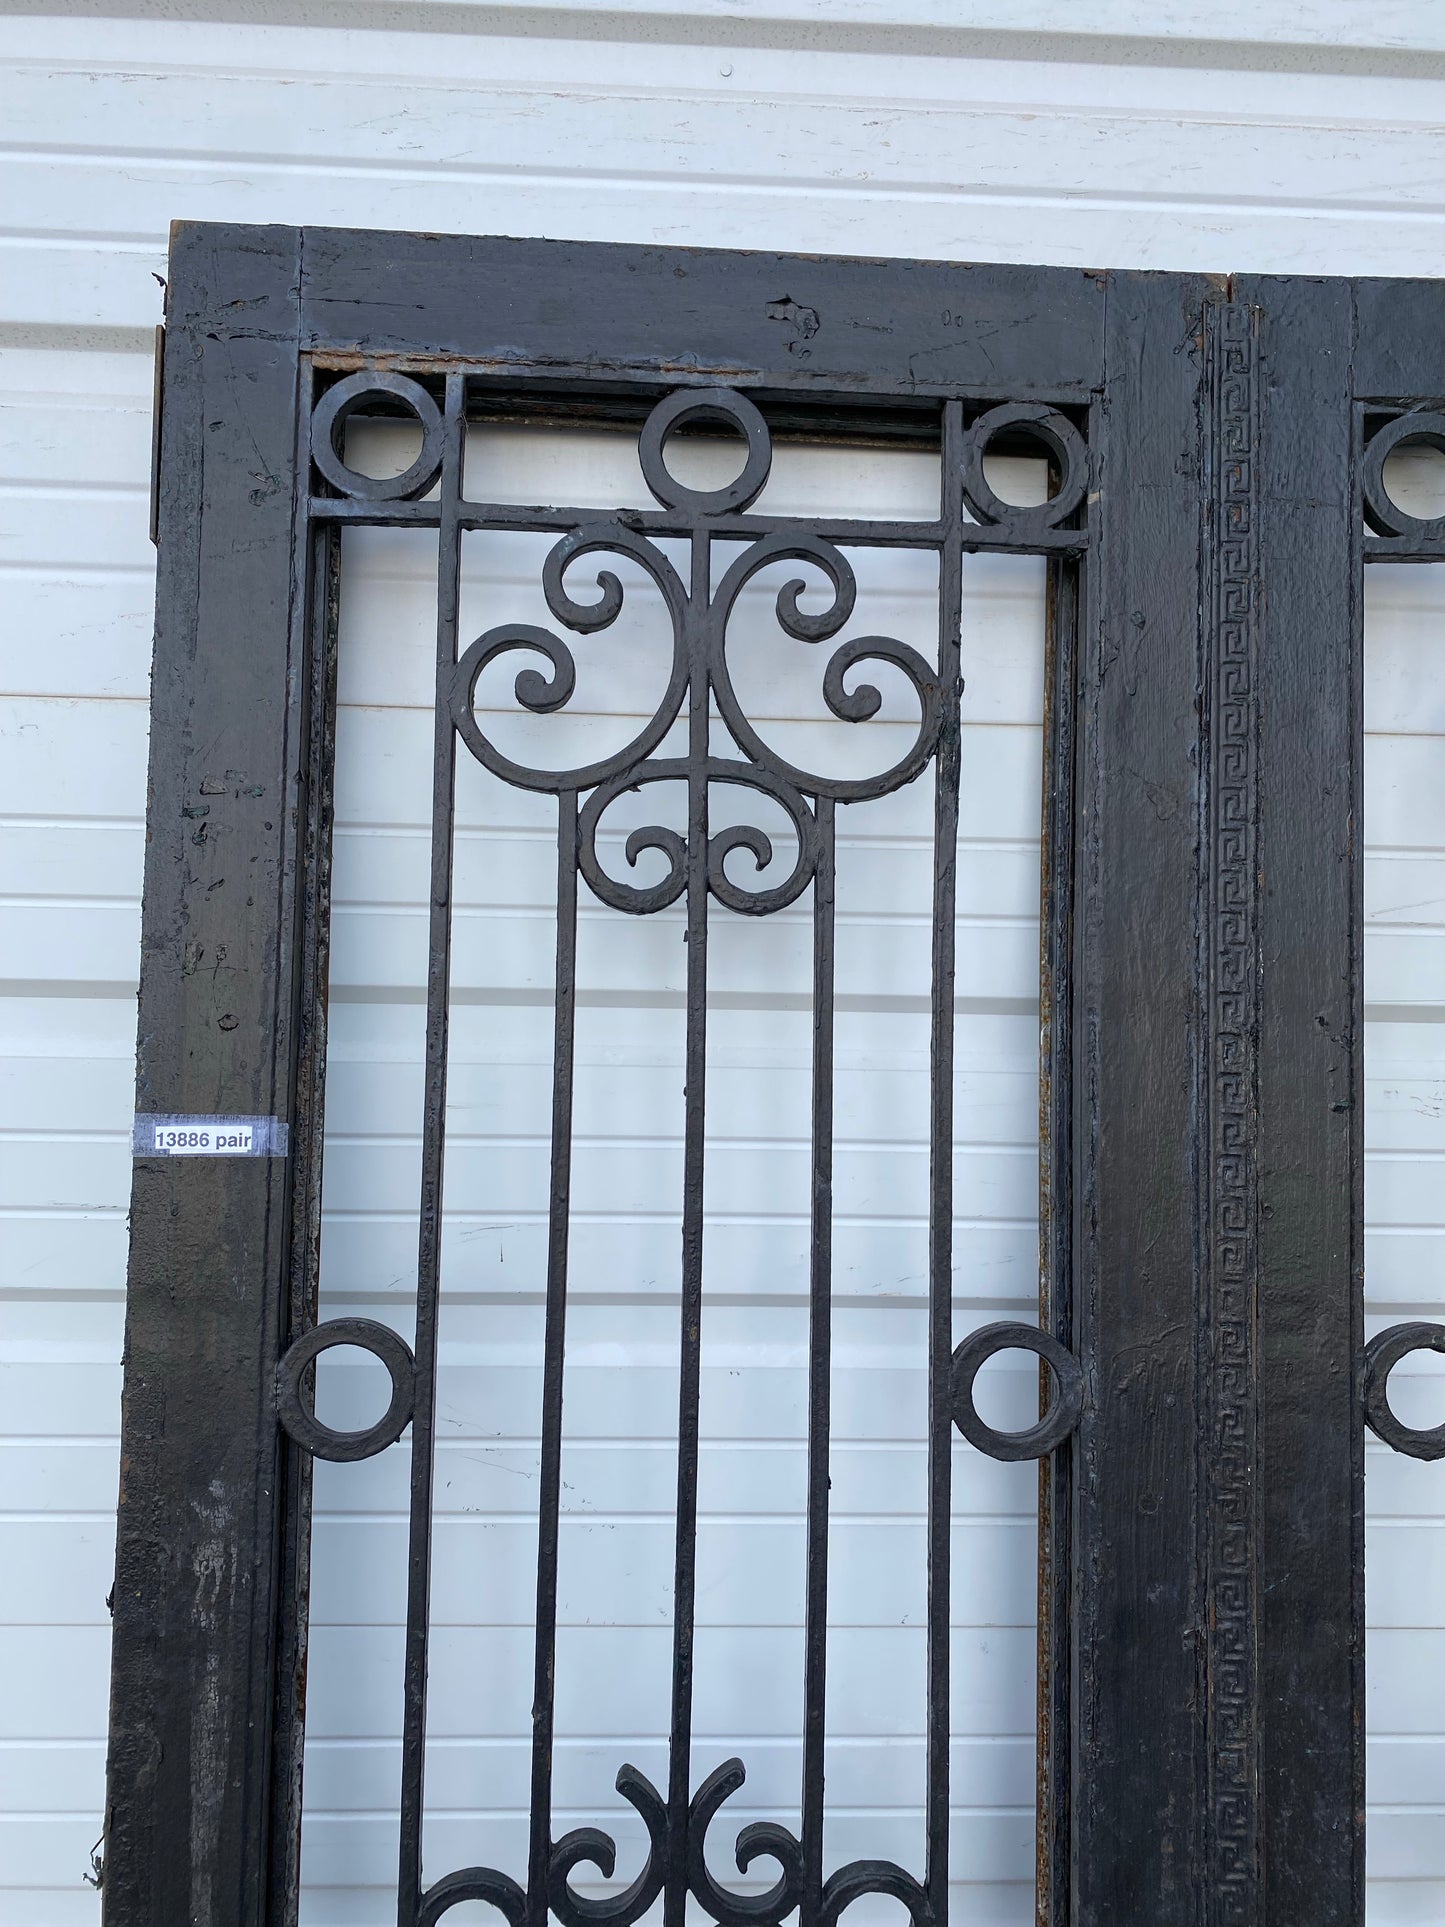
(1063, 1413)
(1058, 435)
(339, 403)
(1384, 515)
(705, 404)
(299, 1419)
(1382, 1355)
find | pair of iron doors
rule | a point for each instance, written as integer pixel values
(1216, 451)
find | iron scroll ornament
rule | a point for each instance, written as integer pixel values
(699, 649)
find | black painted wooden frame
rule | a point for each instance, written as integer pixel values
(1201, 1651)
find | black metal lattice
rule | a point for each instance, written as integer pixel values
(701, 864)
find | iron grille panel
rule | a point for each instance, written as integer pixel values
(701, 865)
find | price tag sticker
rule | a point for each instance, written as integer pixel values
(209, 1137)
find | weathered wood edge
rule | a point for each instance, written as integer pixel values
(1310, 1491)
(584, 311)
(188, 1799)
(1137, 1768)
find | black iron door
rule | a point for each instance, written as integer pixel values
(1200, 1438)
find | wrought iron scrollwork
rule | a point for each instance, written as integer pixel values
(543, 694)
(764, 1839)
(760, 1840)
(862, 1877)
(640, 899)
(1382, 1355)
(498, 1890)
(591, 1846)
(852, 706)
(699, 656)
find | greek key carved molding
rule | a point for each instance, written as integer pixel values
(1230, 1247)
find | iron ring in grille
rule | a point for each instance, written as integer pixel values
(1065, 445)
(1063, 1413)
(1382, 1355)
(709, 404)
(1420, 430)
(299, 1419)
(343, 401)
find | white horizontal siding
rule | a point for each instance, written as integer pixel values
(1300, 137)
(1405, 1215)
(115, 128)
(1330, 26)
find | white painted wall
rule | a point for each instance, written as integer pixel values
(1310, 140)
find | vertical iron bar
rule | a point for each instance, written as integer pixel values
(820, 1355)
(940, 1154)
(423, 1440)
(1056, 896)
(679, 1775)
(544, 1686)
(319, 617)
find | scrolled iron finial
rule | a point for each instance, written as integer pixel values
(763, 1839)
(592, 1847)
